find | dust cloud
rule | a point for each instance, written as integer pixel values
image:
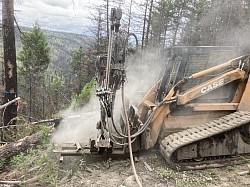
(141, 73)
(78, 126)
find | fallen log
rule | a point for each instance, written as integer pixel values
(14, 148)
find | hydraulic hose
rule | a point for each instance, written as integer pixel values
(129, 139)
(142, 129)
(111, 135)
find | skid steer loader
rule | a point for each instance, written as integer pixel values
(198, 111)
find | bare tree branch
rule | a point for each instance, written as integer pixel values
(9, 103)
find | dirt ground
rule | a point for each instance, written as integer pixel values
(115, 171)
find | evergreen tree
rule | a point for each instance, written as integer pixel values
(224, 22)
(81, 70)
(35, 58)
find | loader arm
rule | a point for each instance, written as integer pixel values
(239, 70)
(209, 86)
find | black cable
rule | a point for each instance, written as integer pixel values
(113, 136)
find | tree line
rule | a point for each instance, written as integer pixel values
(157, 23)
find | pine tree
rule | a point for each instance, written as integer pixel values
(80, 69)
(35, 58)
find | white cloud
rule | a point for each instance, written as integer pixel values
(59, 3)
(64, 15)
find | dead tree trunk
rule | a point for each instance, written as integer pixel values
(149, 22)
(144, 25)
(9, 60)
(129, 17)
(107, 19)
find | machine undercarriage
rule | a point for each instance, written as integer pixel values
(209, 144)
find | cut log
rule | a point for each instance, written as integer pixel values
(14, 148)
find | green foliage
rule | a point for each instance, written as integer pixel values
(107, 163)
(165, 173)
(246, 158)
(125, 163)
(2, 163)
(34, 59)
(87, 89)
(56, 82)
(180, 22)
(35, 51)
(82, 69)
(85, 94)
(14, 134)
(184, 178)
(155, 158)
(77, 59)
(48, 87)
(46, 132)
(48, 172)
(53, 92)
(18, 160)
(39, 160)
(82, 163)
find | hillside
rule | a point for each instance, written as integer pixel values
(62, 44)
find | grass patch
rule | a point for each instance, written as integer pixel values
(246, 158)
(2, 163)
(184, 178)
(18, 160)
(48, 171)
(39, 162)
